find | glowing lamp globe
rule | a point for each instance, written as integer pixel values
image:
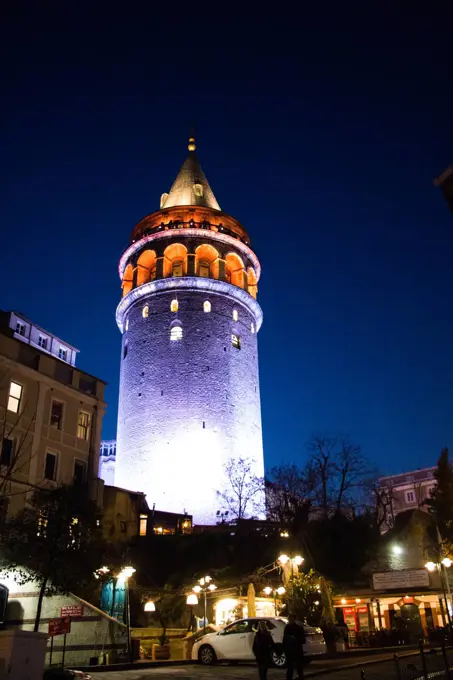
(150, 606)
(191, 600)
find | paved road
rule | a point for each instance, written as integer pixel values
(373, 671)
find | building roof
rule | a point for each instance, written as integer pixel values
(186, 187)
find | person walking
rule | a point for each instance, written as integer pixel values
(293, 641)
(263, 645)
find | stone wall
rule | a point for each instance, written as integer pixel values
(187, 407)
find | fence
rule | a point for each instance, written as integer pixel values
(435, 662)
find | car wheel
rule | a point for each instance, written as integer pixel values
(279, 657)
(206, 655)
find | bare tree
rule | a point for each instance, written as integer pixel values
(289, 494)
(338, 469)
(242, 495)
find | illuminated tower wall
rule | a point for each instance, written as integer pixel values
(189, 386)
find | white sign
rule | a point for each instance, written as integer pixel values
(407, 578)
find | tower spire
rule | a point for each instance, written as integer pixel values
(191, 186)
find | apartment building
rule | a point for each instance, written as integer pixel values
(50, 413)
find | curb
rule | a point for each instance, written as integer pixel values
(132, 666)
(358, 664)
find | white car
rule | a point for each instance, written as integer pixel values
(235, 642)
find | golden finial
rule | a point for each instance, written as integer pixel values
(191, 146)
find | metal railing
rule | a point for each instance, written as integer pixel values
(427, 663)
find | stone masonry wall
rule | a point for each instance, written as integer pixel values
(187, 407)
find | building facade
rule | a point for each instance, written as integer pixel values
(107, 460)
(405, 491)
(445, 182)
(189, 397)
(50, 414)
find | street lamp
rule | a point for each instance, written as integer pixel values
(204, 586)
(290, 561)
(123, 577)
(191, 602)
(150, 606)
(274, 591)
(446, 562)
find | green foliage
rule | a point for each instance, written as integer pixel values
(304, 597)
(55, 541)
(441, 502)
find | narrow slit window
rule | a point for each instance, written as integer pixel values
(252, 327)
(125, 349)
(145, 312)
(174, 306)
(127, 325)
(206, 306)
(235, 315)
(236, 341)
(198, 190)
(176, 333)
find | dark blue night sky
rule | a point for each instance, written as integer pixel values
(321, 136)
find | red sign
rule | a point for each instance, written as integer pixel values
(362, 610)
(348, 611)
(72, 610)
(60, 626)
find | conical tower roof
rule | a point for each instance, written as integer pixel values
(190, 186)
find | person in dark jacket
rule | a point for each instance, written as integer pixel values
(293, 641)
(263, 645)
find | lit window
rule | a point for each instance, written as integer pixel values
(79, 471)
(145, 312)
(174, 306)
(6, 456)
(235, 315)
(198, 190)
(204, 269)
(410, 497)
(236, 341)
(206, 306)
(50, 469)
(176, 333)
(42, 342)
(83, 426)
(177, 268)
(127, 324)
(56, 415)
(63, 354)
(143, 524)
(252, 327)
(20, 328)
(15, 395)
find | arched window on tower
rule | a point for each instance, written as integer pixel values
(176, 333)
(152, 273)
(235, 315)
(177, 268)
(174, 306)
(206, 306)
(204, 269)
(198, 190)
(145, 312)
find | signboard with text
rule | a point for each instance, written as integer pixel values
(75, 611)
(406, 578)
(60, 626)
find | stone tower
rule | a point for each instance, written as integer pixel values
(189, 387)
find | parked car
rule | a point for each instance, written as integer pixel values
(235, 642)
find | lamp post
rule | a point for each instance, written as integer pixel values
(442, 567)
(124, 576)
(191, 602)
(204, 586)
(294, 562)
(274, 592)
